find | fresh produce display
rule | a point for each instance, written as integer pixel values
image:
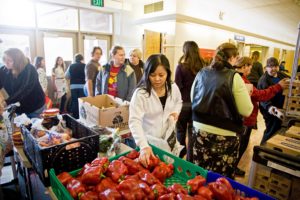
(125, 178)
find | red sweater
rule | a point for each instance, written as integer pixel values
(256, 97)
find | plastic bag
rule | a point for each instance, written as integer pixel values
(169, 141)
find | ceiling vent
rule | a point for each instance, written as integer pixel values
(153, 7)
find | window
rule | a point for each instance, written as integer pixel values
(14, 41)
(95, 22)
(57, 17)
(17, 13)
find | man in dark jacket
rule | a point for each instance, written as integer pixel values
(268, 108)
(75, 74)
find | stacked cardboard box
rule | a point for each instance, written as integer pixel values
(275, 183)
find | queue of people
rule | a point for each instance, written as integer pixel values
(215, 106)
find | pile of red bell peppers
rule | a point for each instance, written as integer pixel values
(127, 179)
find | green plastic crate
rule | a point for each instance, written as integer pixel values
(183, 171)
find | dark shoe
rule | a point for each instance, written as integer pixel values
(239, 172)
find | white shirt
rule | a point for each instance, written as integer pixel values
(146, 114)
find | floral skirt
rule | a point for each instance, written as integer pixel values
(215, 152)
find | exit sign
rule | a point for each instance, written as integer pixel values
(99, 3)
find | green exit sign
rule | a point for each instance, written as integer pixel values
(99, 3)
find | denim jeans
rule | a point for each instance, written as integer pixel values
(75, 94)
(130, 142)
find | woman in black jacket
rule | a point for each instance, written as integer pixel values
(20, 81)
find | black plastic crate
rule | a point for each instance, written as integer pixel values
(61, 157)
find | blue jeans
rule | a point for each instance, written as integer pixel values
(36, 113)
(130, 142)
(75, 94)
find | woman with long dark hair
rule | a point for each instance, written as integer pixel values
(153, 102)
(219, 102)
(59, 83)
(189, 65)
(39, 64)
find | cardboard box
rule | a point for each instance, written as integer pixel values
(284, 144)
(294, 132)
(282, 181)
(295, 192)
(105, 111)
(263, 171)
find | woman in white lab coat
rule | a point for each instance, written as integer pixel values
(155, 100)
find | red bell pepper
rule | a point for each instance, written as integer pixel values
(199, 197)
(117, 171)
(130, 190)
(106, 183)
(87, 165)
(153, 162)
(225, 182)
(163, 171)
(169, 196)
(92, 175)
(220, 191)
(205, 192)
(90, 195)
(133, 167)
(134, 177)
(64, 178)
(133, 154)
(75, 188)
(159, 189)
(147, 190)
(195, 183)
(110, 194)
(147, 177)
(103, 162)
(177, 189)
(184, 197)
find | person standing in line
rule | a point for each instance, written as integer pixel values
(115, 78)
(91, 70)
(39, 63)
(155, 100)
(219, 101)
(136, 63)
(188, 66)
(257, 69)
(243, 67)
(59, 83)
(75, 74)
(268, 108)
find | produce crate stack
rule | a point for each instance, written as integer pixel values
(277, 184)
(292, 103)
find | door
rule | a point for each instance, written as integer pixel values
(56, 44)
(91, 41)
(152, 43)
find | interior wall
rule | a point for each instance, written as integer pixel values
(238, 15)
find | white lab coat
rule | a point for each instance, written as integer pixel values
(147, 117)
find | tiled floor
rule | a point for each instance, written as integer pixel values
(255, 139)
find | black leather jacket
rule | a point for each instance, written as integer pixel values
(213, 101)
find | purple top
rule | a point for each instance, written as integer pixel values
(184, 79)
